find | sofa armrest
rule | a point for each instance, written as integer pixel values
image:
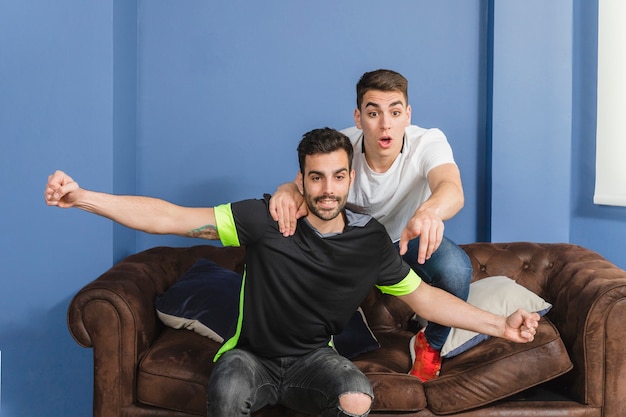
(589, 300)
(588, 294)
(115, 315)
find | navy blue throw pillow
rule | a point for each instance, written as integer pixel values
(205, 300)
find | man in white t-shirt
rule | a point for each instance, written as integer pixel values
(407, 179)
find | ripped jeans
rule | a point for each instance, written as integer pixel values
(242, 383)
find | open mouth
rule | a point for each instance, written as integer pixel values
(385, 141)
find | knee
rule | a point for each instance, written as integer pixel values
(355, 403)
(230, 384)
(455, 258)
(454, 264)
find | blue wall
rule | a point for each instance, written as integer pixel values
(225, 92)
(56, 108)
(204, 102)
(531, 121)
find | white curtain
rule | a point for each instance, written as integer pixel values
(611, 129)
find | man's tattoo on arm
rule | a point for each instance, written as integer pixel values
(208, 231)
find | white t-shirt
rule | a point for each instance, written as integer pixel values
(393, 196)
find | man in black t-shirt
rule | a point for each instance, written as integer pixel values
(300, 290)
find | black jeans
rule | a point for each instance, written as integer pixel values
(242, 382)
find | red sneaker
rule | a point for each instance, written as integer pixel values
(426, 360)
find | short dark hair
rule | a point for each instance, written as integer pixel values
(382, 80)
(322, 141)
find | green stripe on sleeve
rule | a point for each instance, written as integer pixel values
(404, 287)
(227, 230)
(225, 223)
(232, 342)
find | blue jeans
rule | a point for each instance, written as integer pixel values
(242, 383)
(450, 269)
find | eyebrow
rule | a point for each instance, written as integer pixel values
(376, 105)
(322, 174)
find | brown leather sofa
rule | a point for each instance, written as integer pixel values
(576, 367)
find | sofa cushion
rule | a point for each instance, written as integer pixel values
(496, 369)
(499, 295)
(394, 390)
(401, 393)
(206, 300)
(174, 373)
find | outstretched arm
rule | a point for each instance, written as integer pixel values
(287, 205)
(147, 214)
(434, 304)
(445, 202)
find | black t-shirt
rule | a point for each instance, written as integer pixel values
(300, 290)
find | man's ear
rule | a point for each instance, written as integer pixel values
(300, 182)
(408, 112)
(352, 175)
(357, 118)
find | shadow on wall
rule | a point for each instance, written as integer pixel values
(44, 371)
